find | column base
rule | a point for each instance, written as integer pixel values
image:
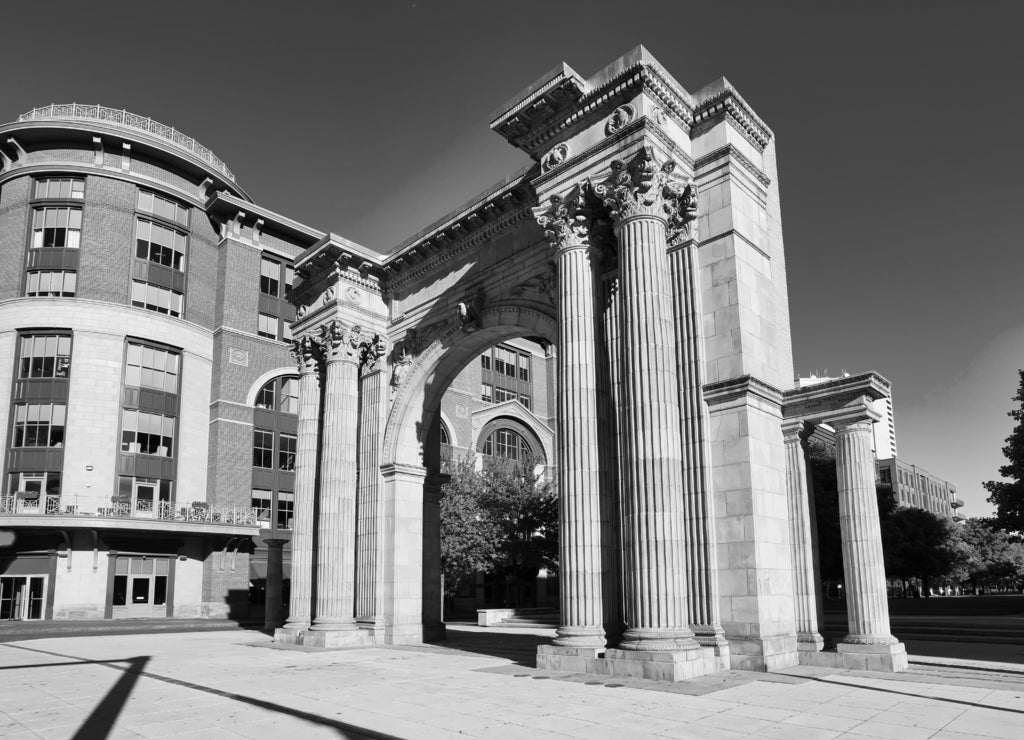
(763, 653)
(891, 658)
(810, 642)
(660, 665)
(324, 638)
(658, 640)
(289, 635)
(583, 638)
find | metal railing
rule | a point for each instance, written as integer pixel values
(129, 120)
(81, 506)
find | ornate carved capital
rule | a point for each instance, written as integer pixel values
(681, 205)
(370, 353)
(305, 352)
(643, 187)
(340, 342)
(564, 220)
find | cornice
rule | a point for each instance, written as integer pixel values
(728, 105)
(744, 386)
(842, 399)
(732, 153)
(534, 134)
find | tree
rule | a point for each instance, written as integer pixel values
(1008, 495)
(503, 520)
(468, 535)
(918, 544)
(988, 557)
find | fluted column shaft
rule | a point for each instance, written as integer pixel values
(578, 465)
(863, 563)
(801, 524)
(653, 523)
(372, 396)
(307, 445)
(335, 599)
(702, 577)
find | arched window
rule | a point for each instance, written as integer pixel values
(274, 448)
(507, 444)
(280, 394)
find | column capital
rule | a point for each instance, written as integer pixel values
(852, 425)
(340, 342)
(565, 220)
(371, 351)
(643, 187)
(305, 352)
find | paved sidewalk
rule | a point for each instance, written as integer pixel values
(478, 684)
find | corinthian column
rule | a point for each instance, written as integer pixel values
(863, 564)
(579, 487)
(799, 491)
(336, 530)
(653, 519)
(304, 350)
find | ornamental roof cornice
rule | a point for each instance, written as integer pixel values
(732, 152)
(560, 103)
(333, 258)
(836, 401)
(720, 101)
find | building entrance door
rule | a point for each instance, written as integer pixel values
(140, 587)
(22, 597)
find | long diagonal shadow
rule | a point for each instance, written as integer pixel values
(108, 710)
(918, 696)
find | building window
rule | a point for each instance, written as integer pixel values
(885, 475)
(45, 356)
(155, 298)
(159, 244)
(270, 277)
(503, 394)
(524, 368)
(485, 361)
(151, 367)
(60, 188)
(525, 400)
(39, 425)
(280, 394)
(56, 227)
(285, 509)
(147, 434)
(163, 207)
(262, 501)
(486, 392)
(262, 449)
(286, 452)
(39, 483)
(51, 283)
(508, 445)
(267, 326)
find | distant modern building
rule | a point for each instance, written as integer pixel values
(915, 486)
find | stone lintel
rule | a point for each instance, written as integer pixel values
(843, 399)
(743, 388)
(394, 470)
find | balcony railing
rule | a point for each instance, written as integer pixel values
(129, 120)
(169, 511)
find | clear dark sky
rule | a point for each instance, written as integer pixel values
(898, 129)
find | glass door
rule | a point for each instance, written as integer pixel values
(145, 493)
(22, 597)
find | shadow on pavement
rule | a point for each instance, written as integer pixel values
(517, 647)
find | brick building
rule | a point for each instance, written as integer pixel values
(150, 428)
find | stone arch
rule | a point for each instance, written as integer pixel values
(254, 389)
(539, 433)
(417, 401)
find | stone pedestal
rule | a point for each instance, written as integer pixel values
(275, 584)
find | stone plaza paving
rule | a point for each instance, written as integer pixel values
(238, 684)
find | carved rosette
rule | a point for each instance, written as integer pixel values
(565, 220)
(305, 352)
(644, 188)
(340, 342)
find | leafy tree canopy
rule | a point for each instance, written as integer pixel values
(1008, 495)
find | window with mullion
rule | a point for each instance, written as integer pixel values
(56, 228)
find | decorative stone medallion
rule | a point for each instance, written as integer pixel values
(620, 118)
(353, 295)
(558, 154)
